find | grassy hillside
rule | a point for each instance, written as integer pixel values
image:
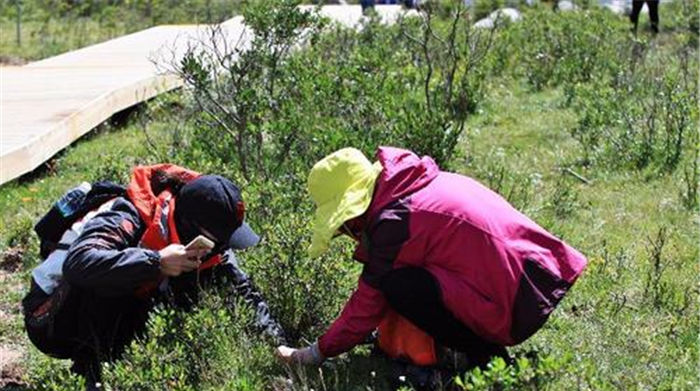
(569, 116)
(51, 27)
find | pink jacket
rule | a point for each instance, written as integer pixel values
(500, 273)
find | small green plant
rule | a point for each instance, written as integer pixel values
(19, 243)
(691, 181)
(657, 289)
(19, 233)
(48, 374)
(524, 374)
(497, 174)
(564, 202)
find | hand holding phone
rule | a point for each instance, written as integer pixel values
(201, 242)
(176, 259)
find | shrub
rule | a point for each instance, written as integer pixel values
(682, 18)
(658, 290)
(564, 202)
(525, 374)
(48, 374)
(642, 117)
(19, 244)
(296, 286)
(691, 179)
(449, 58)
(208, 347)
(567, 47)
(515, 186)
(411, 85)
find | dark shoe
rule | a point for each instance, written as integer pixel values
(460, 362)
(418, 377)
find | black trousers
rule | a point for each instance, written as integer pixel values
(653, 6)
(415, 294)
(89, 329)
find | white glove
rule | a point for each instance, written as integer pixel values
(309, 355)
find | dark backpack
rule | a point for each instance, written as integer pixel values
(71, 207)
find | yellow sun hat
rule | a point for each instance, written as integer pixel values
(341, 185)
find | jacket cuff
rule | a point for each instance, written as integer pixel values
(316, 354)
(153, 257)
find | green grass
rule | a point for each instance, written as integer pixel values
(51, 28)
(45, 39)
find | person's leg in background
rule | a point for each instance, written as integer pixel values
(653, 6)
(415, 294)
(634, 16)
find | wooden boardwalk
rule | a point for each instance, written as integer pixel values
(48, 104)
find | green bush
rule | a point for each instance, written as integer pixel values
(207, 348)
(277, 109)
(567, 47)
(48, 374)
(524, 374)
(642, 117)
(296, 286)
(691, 177)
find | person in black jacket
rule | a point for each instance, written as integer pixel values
(91, 296)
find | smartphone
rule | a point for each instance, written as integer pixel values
(201, 242)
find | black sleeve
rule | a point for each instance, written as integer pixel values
(105, 258)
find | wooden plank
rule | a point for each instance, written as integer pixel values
(48, 104)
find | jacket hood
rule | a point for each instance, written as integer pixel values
(403, 173)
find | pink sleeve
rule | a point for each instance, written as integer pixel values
(361, 315)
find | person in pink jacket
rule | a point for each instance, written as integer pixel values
(440, 249)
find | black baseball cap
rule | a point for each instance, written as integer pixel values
(212, 205)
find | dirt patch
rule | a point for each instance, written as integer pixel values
(11, 259)
(11, 367)
(6, 60)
